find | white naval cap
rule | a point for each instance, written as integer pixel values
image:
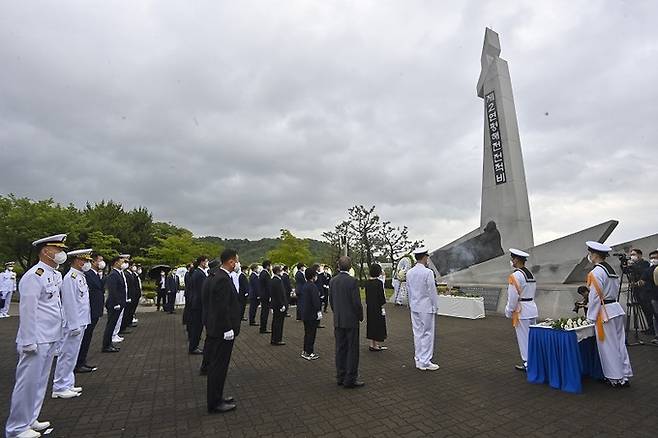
(421, 251)
(598, 247)
(84, 254)
(56, 240)
(124, 256)
(519, 253)
(10, 263)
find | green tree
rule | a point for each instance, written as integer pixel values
(178, 249)
(105, 244)
(291, 250)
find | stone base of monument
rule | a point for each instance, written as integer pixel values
(461, 307)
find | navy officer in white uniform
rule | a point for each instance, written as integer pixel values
(75, 305)
(39, 332)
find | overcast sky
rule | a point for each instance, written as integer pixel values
(237, 119)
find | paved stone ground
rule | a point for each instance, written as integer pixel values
(152, 388)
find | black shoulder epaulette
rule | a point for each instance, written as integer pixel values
(608, 269)
(39, 272)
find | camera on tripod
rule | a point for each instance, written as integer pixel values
(623, 260)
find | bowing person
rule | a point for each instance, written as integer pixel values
(375, 300)
(279, 306)
(221, 307)
(603, 284)
(521, 306)
(308, 299)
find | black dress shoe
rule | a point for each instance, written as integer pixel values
(203, 372)
(229, 399)
(278, 343)
(355, 384)
(244, 319)
(221, 408)
(253, 323)
(520, 368)
(82, 370)
(339, 382)
(125, 332)
(196, 351)
(93, 367)
(110, 350)
(265, 331)
(320, 326)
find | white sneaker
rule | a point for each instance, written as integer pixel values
(313, 356)
(65, 394)
(306, 356)
(135, 320)
(75, 389)
(2, 315)
(29, 434)
(40, 425)
(117, 339)
(430, 367)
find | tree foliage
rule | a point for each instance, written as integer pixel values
(291, 250)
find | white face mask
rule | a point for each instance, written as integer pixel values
(139, 271)
(101, 265)
(10, 268)
(237, 267)
(634, 258)
(124, 266)
(86, 266)
(653, 262)
(59, 258)
(511, 264)
(134, 269)
(589, 258)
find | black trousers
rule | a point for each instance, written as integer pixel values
(112, 318)
(162, 298)
(347, 354)
(194, 328)
(243, 307)
(219, 357)
(129, 313)
(264, 314)
(86, 342)
(644, 298)
(171, 301)
(298, 313)
(278, 319)
(204, 361)
(253, 308)
(310, 329)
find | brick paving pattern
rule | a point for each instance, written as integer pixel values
(152, 388)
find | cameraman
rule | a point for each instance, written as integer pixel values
(636, 268)
(650, 283)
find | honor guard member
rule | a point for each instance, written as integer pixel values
(75, 305)
(423, 303)
(39, 332)
(7, 288)
(603, 284)
(521, 306)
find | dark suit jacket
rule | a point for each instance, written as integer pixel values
(265, 287)
(310, 302)
(96, 293)
(133, 286)
(299, 281)
(243, 282)
(172, 284)
(221, 305)
(254, 286)
(279, 297)
(195, 288)
(345, 301)
(286, 283)
(116, 289)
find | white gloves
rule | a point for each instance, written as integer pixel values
(508, 314)
(282, 309)
(30, 348)
(383, 312)
(128, 300)
(319, 315)
(117, 307)
(76, 332)
(229, 335)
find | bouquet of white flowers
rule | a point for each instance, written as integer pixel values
(570, 323)
(402, 275)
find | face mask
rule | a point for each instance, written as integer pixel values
(634, 258)
(511, 264)
(59, 258)
(653, 262)
(162, 274)
(101, 265)
(124, 266)
(139, 271)
(237, 267)
(86, 266)
(134, 268)
(589, 258)
(11, 268)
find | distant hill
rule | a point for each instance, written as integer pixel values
(255, 251)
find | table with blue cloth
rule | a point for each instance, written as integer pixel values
(562, 357)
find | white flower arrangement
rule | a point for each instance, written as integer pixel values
(570, 323)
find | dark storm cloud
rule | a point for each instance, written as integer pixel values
(237, 119)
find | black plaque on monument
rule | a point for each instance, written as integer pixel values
(490, 294)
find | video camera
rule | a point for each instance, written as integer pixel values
(623, 260)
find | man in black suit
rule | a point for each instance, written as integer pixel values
(243, 282)
(172, 289)
(300, 279)
(287, 286)
(279, 306)
(221, 310)
(265, 286)
(161, 285)
(131, 307)
(345, 301)
(94, 278)
(117, 290)
(254, 293)
(193, 301)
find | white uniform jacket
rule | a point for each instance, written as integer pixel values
(421, 288)
(603, 284)
(75, 300)
(521, 295)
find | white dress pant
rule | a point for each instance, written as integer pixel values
(423, 327)
(612, 351)
(522, 333)
(118, 326)
(5, 308)
(32, 373)
(70, 347)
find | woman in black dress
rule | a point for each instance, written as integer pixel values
(375, 299)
